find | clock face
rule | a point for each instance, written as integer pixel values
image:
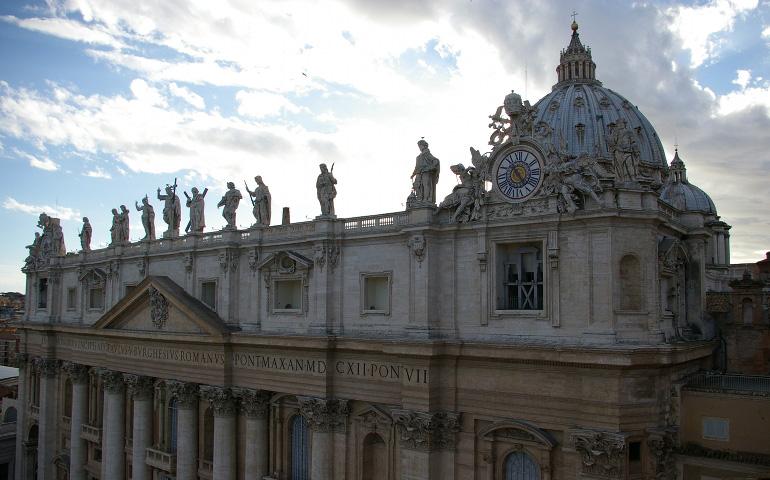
(518, 174)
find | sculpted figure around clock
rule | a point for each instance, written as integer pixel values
(625, 152)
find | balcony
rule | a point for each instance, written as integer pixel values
(161, 460)
(736, 384)
(205, 469)
(91, 434)
(66, 422)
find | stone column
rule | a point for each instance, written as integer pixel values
(421, 435)
(224, 405)
(256, 405)
(22, 361)
(141, 390)
(187, 428)
(78, 448)
(114, 425)
(47, 368)
(325, 416)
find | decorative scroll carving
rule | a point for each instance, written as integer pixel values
(186, 393)
(47, 367)
(221, 399)
(325, 414)
(253, 260)
(427, 431)
(319, 256)
(417, 247)
(78, 373)
(140, 386)
(22, 360)
(603, 453)
(115, 268)
(334, 256)
(305, 292)
(188, 263)
(158, 308)
(266, 277)
(142, 266)
(255, 403)
(228, 261)
(112, 381)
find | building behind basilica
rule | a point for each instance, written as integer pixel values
(554, 326)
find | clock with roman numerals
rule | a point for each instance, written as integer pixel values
(518, 173)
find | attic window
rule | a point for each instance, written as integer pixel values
(209, 293)
(288, 295)
(95, 298)
(375, 293)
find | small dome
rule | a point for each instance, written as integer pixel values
(683, 195)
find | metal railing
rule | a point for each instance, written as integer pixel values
(729, 382)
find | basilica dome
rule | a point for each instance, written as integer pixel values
(580, 111)
(683, 195)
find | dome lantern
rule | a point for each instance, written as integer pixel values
(575, 64)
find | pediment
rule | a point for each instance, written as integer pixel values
(285, 260)
(93, 276)
(158, 304)
(518, 431)
(373, 415)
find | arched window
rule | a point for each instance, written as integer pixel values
(375, 457)
(300, 449)
(173, 421)
(520, 466)
(10, 415)
(630, 283)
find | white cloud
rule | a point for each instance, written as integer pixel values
(97, 172)
(147, 94)
(744, 77)
(187, 95)
(745, 99)
(260, 104)
(43, 163)
(68, 29)
(64, 213)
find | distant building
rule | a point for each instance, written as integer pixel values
(553, 327)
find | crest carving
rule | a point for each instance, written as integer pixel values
(158, 308)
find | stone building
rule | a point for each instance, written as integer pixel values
(533, 330)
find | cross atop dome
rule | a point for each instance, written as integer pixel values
(575, 64)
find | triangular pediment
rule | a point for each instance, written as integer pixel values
(373, 415)
(158, 304)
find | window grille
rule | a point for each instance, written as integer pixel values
(173, 421)
(300, 449)
(520, 466)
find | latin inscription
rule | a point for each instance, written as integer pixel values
(307, 366)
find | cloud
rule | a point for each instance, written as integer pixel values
(64, 213)
(97, 172)
(261, 104)
(744, 76)
(147, 94)
(187, 95)
(43, 163)
(68, 29)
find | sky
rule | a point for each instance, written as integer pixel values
(103, 102)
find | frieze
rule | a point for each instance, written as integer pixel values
(255, 403)
(140, 386)
(427, 431)
(325, 414)
(602, 452)
(221, 399)
(158, 308)
(186, 393)
(78, 373)
(112, 381)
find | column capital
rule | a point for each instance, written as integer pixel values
(112, 381)
(78, 373)
(255, 403)
(185, 392)
(47, 367)
(221, 400)
(427, 430)
(603, 452)
(140, 386)
(325, 414)
(22, 360)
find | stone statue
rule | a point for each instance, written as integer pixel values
(197, 214)
(148, 218)
(52, 239)
(519, 123)
(230, 201)
(85, 235)
(580, 174)
(261, 202)
(115, 229)
(467, 196)
(425, 175)
(34, 259)
(124, 224)
(326, 190)
(172, 210)
(625, 152)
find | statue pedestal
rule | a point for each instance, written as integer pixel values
(171, 232)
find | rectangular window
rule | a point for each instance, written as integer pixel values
(42, 293)
(72, 298)
(288, 295)
(716, 429)
(520, 278)
(375, 293)
(209, 294)
(95, 298)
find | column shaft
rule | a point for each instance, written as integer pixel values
(78, 447)
(187, 443)
(47, 369)
(114, 436)
(224, 447)
(257, 464)
(322, 456)
(142, 437)
(22, 360)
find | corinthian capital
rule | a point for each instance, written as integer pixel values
(602, 452)
(255, 403)
(112, 381)
(325, 414)
(47, 367)
(186, 393)
(78, 373)
(221, 400)
(427, 430)
(140, 386)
